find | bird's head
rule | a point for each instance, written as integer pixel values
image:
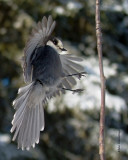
(57, 44)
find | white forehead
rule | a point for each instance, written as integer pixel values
(50, 43)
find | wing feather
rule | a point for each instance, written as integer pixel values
(66, 84)
(71, 57)
(75, 65)
(52, 28)
(49, 23)
(70, 79)
(70, 66)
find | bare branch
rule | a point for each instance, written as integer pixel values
(102, 111)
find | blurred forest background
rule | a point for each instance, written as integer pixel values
(72, 120)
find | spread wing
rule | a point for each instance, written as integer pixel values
(39, 37)
(70, 66)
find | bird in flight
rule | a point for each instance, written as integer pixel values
(47, 73)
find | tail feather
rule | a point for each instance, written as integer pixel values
(41, 117)
(25, 88)
(23, 92)
(28, 120)
(22, 138)
(18, 116)
(26, 136)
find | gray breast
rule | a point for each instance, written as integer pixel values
(46, 65)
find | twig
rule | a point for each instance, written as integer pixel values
(102, 111)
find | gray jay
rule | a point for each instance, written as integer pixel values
(47, 74)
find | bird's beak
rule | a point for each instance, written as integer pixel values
(63, 49)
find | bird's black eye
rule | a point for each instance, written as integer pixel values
(55, 41)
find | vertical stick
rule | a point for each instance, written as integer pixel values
(102, 111)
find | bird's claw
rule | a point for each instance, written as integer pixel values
(82, 74)
(78, 91)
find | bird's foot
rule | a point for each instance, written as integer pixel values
(73, 90)
(81, 74)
